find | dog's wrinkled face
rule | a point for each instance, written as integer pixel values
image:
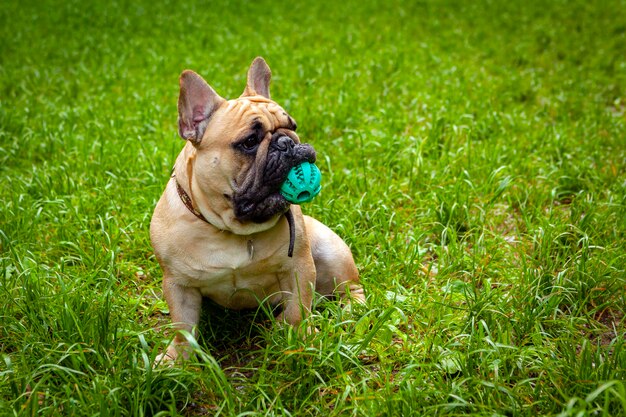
(244, 148)
(266, 148)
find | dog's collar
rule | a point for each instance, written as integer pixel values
(184, 197)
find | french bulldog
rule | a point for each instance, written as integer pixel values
(223, 230)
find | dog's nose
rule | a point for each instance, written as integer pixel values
(284, 143)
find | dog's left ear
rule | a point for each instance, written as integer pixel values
(259, 76)
(197, 101)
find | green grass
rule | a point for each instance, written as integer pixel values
(473, 157)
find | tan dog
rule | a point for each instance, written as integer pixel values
(222, 229)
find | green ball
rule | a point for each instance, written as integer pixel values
(302, 183)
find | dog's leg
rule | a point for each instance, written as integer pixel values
(336, 270)
(298, 292)
(184, 304)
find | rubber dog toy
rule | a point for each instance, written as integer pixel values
(302, 183)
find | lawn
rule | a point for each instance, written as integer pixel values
(473, 157)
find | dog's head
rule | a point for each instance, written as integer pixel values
(243, 149)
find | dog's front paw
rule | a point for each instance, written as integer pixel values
(168, 357)
(163, 359)
(173, 353)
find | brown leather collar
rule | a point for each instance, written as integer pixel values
(187, 201)
(184, 197)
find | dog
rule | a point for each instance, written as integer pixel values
(222, 229)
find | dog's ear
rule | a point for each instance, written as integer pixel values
(196, 103)
(259, 76)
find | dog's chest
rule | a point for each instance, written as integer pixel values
(236, 273)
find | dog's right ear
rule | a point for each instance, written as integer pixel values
(259, 76)
(196, 103)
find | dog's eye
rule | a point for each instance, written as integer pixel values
(250, 143)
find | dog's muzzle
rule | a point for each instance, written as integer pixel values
(261, 200)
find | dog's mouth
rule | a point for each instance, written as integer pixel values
(262, 211)
(261, 200)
